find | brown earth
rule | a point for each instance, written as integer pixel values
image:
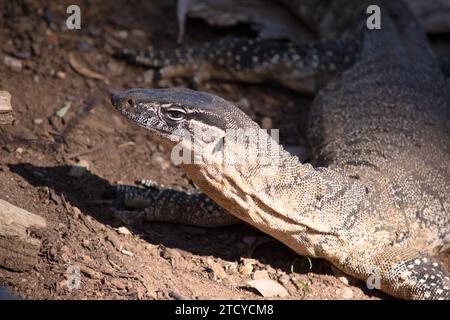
(162, 261)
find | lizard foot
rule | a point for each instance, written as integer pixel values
(156, 203)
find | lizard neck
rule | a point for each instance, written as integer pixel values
(293, 202)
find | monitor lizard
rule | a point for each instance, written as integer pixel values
(374, 201)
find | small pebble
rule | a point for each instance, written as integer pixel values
(78, 170)
(76, 212)
(340, 275)
(61, 75)
(6, 114)
(347, 293)
(260, 274)
(123, 230)
(86, 258)
(344, 280)
(246, 269)
(90, 273)
(38, 121)
(216, 268)
(148, 76)
(127, 253)
(269, 288)
(13, 63)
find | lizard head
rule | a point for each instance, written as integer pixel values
(174, 114)
(199, 122)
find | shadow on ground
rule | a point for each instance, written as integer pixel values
(225, 243)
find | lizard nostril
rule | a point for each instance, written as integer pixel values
(130, 102)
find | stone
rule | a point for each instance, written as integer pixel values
(347, 293)
(61, 75)
(268, 288)
(6, 116)
(260, 274)
(216, 268)
(78, 170)
(13, 64)
(5, 101)
(127, 253)
(123, 230)
(246, 269)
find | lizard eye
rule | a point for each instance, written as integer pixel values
(175, 114)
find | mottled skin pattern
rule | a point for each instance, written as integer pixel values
(302, 68)
(376, 201)
(156, 204)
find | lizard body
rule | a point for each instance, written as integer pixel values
(376, 201)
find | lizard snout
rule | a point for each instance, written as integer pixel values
(116, 99)
(122, 102)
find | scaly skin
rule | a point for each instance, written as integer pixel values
(376, 203)
(302, 68)
(156, 203)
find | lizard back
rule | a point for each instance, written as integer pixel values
(386, 122)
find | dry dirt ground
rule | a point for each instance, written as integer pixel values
(160, 261)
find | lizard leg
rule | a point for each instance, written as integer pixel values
(402, 272)
(301, 67)
(163, 204)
